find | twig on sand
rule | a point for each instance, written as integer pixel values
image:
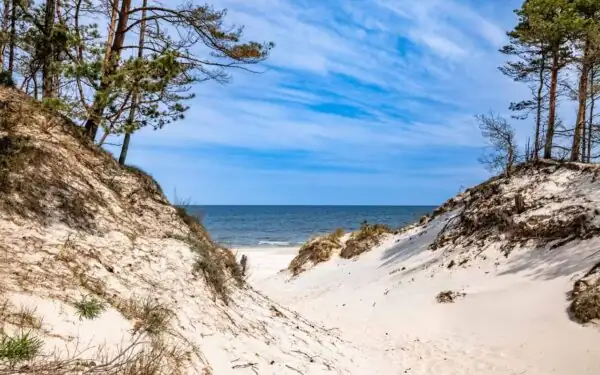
(310, 358)
(294, 369)
(252, 365)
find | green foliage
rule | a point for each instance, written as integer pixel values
(89, 308)
(20, 347)
(6, 79)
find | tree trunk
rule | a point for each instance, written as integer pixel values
(13, 38)
(5, 21)
(538, 117)
(134, 99)
(48, 76)
(552, 109)
(100, 100)
(111, 29)
(591, 115)
(124, 148)
(581, 112)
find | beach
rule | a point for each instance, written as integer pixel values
(511, 320)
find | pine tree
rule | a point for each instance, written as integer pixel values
(588, 37)
(193, 24)
(553, 23)
(532, 68)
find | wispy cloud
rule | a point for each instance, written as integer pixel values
(372, 88)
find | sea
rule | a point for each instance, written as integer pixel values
(265, 226)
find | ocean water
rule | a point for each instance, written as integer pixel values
(251, 226)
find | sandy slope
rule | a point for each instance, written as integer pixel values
(513, 319)
(73, 223)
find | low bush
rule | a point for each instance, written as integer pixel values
(363, 240)
(89, 308)
(20, 347)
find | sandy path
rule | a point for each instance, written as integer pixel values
(512, 321)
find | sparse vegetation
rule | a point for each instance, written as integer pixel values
(21, 347)
(25, 317)
(89, 307)
(363, 240)
(149, 315)
(448, 296)
(317, 250)
(6, 79)
(585, 305)
(217, 264)
(321, 249)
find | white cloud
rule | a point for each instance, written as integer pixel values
(415, 71)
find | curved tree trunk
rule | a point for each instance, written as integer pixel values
(100, 101)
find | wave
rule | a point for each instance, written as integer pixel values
(275, 243)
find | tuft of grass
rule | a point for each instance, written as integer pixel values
(448, 296)
(149, 183)
(151, 317)
(338, 233)
(20, 347)
(89, 308)
(26, 317)
(317, 250)
(363, 240)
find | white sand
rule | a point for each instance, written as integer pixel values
(513, 319)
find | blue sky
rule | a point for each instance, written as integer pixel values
(363, 102)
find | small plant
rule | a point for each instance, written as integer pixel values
(338, 233)
(19, 348)
(26, 317)
(448, 296)
(363, 240)
(6, 79)
(89, 308)
(151, 317)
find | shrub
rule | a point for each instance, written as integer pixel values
(448, 296)
(151, 316)
(586, 297)
(317, 250)
(586, 307)
(363, 240)
(18, 348)
(89, 308)
(6, 79)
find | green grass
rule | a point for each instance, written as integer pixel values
(89, 308)
(19, 348)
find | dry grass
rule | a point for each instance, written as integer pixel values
(585, 305)
(448, 296)
(148, 182)
(363, 240)
(317, 250)
(149, 315)
(217, 264)
(136, 358)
